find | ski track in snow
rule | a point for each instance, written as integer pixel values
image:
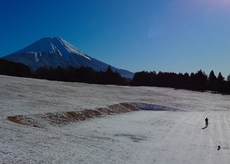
(147, 136)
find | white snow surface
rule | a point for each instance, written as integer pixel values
(71, 49)
(169, 128)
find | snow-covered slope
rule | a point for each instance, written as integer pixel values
(168, 130)
(54, 52)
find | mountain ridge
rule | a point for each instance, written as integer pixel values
(54, 52)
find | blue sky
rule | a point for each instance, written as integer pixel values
(151, 35)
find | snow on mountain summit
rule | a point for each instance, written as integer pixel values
(52, 44)
(54, 52)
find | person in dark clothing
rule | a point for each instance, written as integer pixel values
(206, 121)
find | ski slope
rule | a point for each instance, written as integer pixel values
(168, 128)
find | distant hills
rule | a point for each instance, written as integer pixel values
(54, 51)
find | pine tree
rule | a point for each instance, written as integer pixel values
(212, 77)
(220, 78)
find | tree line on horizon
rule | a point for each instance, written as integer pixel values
(195, 81)
(81, 74)
(68, 74)
(198, 81)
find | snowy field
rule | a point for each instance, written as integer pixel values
(167, 128)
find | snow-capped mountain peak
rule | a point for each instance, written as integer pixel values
(52, 44)
(54, 52)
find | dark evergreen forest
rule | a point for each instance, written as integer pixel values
(198, 81)
(195, 81)
(69, 74)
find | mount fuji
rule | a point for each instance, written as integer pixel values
(54, 52)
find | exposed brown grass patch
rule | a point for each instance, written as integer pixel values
(18, 120)
(122, 108)
(63, 118)
(103, 110)
(15, 120)
(129, 106)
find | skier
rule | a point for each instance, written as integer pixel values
(218, 147)
(206, 121)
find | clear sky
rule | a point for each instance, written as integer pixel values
(151, 35)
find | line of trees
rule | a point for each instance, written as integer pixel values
(68, 74)
(14, 69)
(195, 81)
(81, 74)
